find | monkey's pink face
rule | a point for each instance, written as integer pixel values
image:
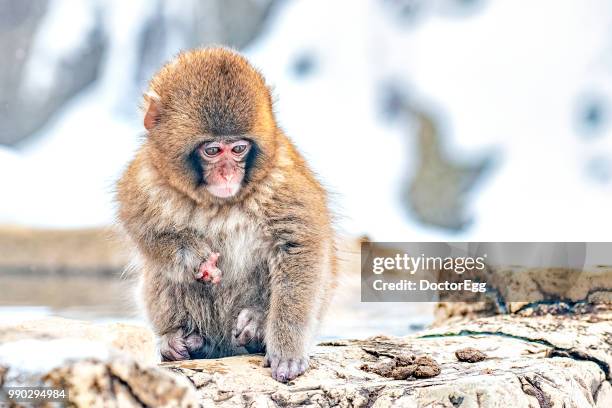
(224, 166)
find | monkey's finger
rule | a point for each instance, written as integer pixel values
(216, 275)
(281, 371)
(266, 361)
(273, 363)
(212, 259)
(293, 369)
(203, 273)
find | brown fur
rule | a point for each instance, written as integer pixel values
(275, 235)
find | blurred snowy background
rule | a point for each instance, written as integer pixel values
(429, 119)
(518, 94)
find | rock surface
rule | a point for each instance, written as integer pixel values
(532, 361)
(544, 361)
(99, 364)
(549, 290)
(122, 382)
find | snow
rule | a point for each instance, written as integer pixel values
(40, 356)
(506, 79)
(10, 315)
(66, 176)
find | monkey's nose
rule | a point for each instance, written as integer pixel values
(228, 177)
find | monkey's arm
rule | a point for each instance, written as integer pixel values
(299, 270)
(291, 318)
(167, 244)
(180, 255)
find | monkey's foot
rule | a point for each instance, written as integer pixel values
(249, 330)
(208, 271)
(285, 369)
(176, 346)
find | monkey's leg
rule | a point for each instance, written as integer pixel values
(248, 331)
(179, 346)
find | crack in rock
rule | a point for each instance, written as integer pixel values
(532, 387)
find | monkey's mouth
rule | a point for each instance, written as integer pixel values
(223, 190)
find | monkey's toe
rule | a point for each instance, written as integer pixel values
(176, 346)
(249, 328)
(173, 348)
(194, 342)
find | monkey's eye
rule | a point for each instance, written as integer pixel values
(212, 151)
(239, 148)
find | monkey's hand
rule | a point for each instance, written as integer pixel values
(178, 346)
(248, 331)
(208, 271)
(285, 369)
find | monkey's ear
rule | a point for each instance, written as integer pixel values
(152, 104)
